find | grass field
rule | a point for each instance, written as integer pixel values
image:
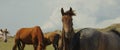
(10, 43)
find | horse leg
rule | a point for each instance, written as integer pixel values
(38, 47)
(55, 44)
(19, 44)
(60, 44)
(34, 44)
(55, 47)
(14, 47)
(23, 46)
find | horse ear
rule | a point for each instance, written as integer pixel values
(1, 30)
(62, 11)
(6, 30)
(70, 8)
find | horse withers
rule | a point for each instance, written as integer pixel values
(32, 35)
(3, 34)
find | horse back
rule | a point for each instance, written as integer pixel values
(27, 35)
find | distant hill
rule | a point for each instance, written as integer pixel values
(113, 26)
(116, 26)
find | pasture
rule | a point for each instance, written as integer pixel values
(9, 45)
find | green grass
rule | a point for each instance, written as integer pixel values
(10, 43)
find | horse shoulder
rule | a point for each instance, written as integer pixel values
(38, 33)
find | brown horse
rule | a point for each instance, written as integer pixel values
(52, 38)
(67, 30)
(32, 35)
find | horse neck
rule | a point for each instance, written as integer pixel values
(63, 34)
(71, 32)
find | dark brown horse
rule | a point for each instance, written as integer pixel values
(32, 35)
(87, 38)
(67, 30)
(92, 39)
(52, 38)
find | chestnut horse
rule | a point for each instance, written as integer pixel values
(32, 35)
(67, 30)
(52, 38)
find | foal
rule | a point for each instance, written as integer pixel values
(52, 38)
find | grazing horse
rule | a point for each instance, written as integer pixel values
(52, 38)
(67, 30)
(32, 35)
(3, 34)
(92, 39)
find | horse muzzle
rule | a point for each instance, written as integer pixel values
(5, 40)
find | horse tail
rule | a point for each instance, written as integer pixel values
(56, 40)
(18, 41)
(19, 44)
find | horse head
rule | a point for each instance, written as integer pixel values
(67, 22)
(3, 34)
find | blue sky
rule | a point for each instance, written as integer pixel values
(16, 14)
